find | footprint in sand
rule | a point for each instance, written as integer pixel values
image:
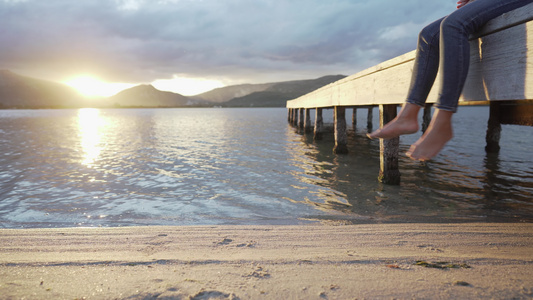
(227, 241)
(213, 295)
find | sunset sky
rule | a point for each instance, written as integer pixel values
(190, 46)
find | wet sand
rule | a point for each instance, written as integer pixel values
(402, 261)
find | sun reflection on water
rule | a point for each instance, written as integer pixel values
(90, 124)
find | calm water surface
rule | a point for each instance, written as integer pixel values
(119, 167)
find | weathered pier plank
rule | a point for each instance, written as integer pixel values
(501, 71)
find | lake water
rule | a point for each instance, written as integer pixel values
(121, 167)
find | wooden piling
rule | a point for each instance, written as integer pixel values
(341, 138)
(369, 118)
(354, 118)
(494, 129)
(389, 172)
(319, 124)
(301, 119)
(307, 121)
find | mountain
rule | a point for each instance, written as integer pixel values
(227, 93)
(244, 95)
(18, 91)
(148, 96)
(267, 94)
(277, 94)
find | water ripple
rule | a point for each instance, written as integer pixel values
(120, 167)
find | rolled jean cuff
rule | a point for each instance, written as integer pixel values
(445, 107)
(418, 103)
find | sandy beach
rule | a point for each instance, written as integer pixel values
(379, 261)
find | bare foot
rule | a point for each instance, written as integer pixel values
(405, 123)
(436, 136)
(395, 128)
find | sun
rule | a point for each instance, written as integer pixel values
(93, 87)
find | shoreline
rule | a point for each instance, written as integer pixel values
(404, 261)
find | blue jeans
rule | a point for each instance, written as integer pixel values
(444, 44)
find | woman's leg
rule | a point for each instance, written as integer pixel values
(455, 46)
(454, 63)
(426, 64)
(424, 73)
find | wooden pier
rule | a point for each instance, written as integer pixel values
(500, 75)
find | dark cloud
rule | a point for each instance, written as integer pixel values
(234, 40)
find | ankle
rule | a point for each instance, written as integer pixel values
(442, 121)
(408, 114)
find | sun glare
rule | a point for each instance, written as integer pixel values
(93, 87)
(90, 126)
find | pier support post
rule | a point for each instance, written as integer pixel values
(389, 172)
(354, 118)
(508, 113)
(294, 119)
(307, 120)
(341, 138)
(494, 129)
(301, 119)
(426, 119)
(319, 124)
(289, 115)
(369, 118)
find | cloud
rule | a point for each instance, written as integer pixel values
(225, 40)
(399, 31)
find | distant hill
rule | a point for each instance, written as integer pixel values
(227, 93)
(18, 91)
(277, 94)
(149, 96)
(273, 94)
